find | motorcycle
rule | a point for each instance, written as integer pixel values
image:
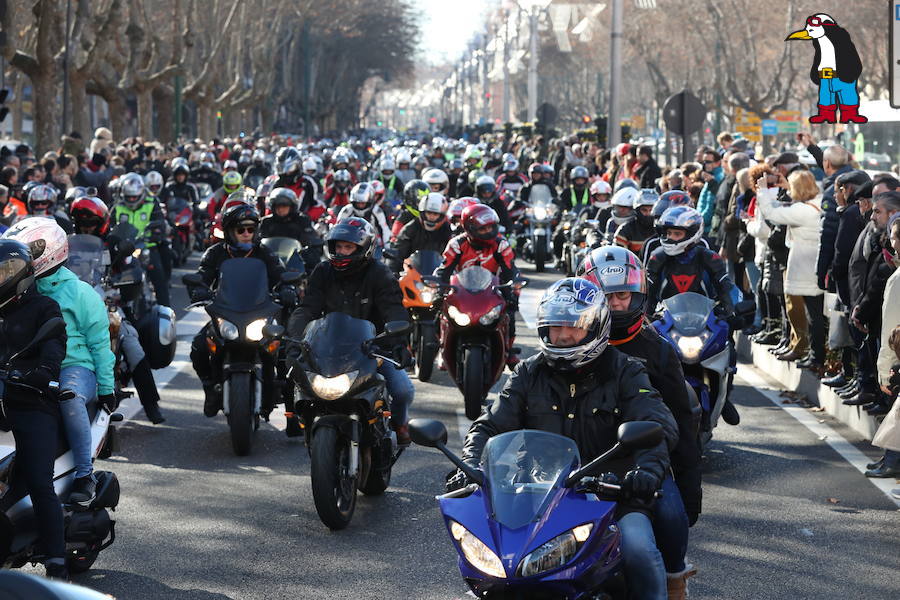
(701, 338)
(180, 215)
(240, 309)
(128, 272)
(540, 215)
(534, 523)
(474, 329)
(88, 530)
(423, 304)
(344, 410)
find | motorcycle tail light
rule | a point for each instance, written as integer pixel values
(211, 344)
(272, 347)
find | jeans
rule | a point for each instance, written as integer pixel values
(401, 390)
(834, 91)
(670, 527)
(36, 432)
(644, 569)
(83, 382)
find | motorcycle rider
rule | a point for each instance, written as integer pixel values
(413, 192)
(481, 244)
(581, 387)
(393, 185)
(206, 172)
(42, 203)
(454, 213)
(620, 274)
(622, 211)
(576, 199)
(259, 168)
(511, 180)
(311, 170)
(404, 168)
(286, 220)
(287, 167)
(362, 205)
(635, 232)
(666, 201)
(239, 224)
(91, 217)
(455, 173)
(87, 369)
(431, 231)
(352, 282)
(337, 195)
(231, 182)
(153, 181)
(536, 173)
(33, 423)
(486, 192)
(144, 214)
(179, 186)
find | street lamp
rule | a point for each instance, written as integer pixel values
(533, 8)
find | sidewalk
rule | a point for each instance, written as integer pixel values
(803, 382)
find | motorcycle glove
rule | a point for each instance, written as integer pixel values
(456, 480)
(108, 401)
(201, 294)
(287, 296)
(403, 356)
(640, 484)
(38, 378)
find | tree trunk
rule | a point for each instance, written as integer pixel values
(18, 115)
(81, 118)
(164, 100)
(144, 97)
(46, 123)
(118, 115)
(205, 122)
(267, 119)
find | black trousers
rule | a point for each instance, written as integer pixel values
(815, 314)
(156, 271)
(36, 433)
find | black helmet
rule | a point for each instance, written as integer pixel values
(485, 187)
(579, 172)
(283, 197)
(181, 169)
(413, 191)
(16, 270)
(356, 231)
(237, 215)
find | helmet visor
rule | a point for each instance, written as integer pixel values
(564, 309)
(10, 268)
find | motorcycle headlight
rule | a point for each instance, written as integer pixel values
(491, 315)
(690, 347)
(427, 296)
(476, 552)
(459, 317)
(331, 388)
(228, 329)
(540, 213)
(555, 553)
(254, 330)
(183, 220)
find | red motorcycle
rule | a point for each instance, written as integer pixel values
(474, 333)
(180, 214)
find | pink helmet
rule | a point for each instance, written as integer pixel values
(45, 239)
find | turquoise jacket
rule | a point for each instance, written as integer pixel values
(87, 326)
(706, 206)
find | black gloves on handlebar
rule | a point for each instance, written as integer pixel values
(456, 480)
(108, 401)
(403, 356)
(200, 294)
(640, 485)
(287, 295)
(36, 378)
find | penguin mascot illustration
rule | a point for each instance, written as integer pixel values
(835, 69)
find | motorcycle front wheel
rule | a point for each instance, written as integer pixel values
(333, 486)
(241, 419)
(426, 352)
(540, 253)
(473, 381)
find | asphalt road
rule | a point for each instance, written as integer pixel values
(784, 517)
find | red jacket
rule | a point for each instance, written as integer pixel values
(496, 256)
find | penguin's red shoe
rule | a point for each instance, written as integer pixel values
(849, 114)
(827, 114)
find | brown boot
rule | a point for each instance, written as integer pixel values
(676, 583)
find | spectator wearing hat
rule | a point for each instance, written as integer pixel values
(711, 176)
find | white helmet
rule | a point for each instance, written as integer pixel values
(45, 239)
(132, 189)
(433, 202)
(403, 157)
(361, 198)
(437, 177)
(600, 187)
(153, 181)
(309, 164)
(388, 164)
(622, 199)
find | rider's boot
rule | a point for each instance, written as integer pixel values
(676, 583)
(212, 402)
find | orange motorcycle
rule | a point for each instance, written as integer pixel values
(423, 304)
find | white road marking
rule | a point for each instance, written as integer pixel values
(822, 431)
(528, 303)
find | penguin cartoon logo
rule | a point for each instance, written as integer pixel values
(835, 69)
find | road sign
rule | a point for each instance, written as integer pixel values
(788, 115)
(859, 145)
(770, 127)
(684, 113)
(788, 126)
(895, 53)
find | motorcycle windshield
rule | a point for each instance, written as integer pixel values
(254, 181)
(204, 190)
(474, 279)
(425, 261)
(176, 205)
(287, 249)
(523, 469)
(689, 311)
(87, 258)
(540, 196)
(336, 343)
(124, 231)
(243, 285)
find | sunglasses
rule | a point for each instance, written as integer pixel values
(817, 22)
(239, 230)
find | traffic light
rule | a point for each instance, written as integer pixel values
(4, 110)
(402, 111)
(378, 123)
(600, 123)
(432, 120)
(219, 114)
(487, 95)
(586, 119)
(626, 133)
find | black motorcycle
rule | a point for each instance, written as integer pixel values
(243, 359)
(344, 410)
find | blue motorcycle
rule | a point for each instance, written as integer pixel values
(534, 523)
(701, 338)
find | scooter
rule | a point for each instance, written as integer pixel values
(701, 338)
(241, 307)
(423, 305)
(88, 530)
(534, 523)
(474, 330)
(344, 410)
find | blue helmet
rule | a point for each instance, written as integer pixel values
(684, 218)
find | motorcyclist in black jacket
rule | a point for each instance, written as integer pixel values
(179, 187)
(580, 387)
(239, 224)
(287, 221)
(352, 282)
(431, 231)
(31, 411)
(619, 273)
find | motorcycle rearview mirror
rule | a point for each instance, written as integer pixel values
(387, 253)
(433, 434)
(634, 435)
(49, 329)
(291, 277)
(397, 327)
(192, 279)
(125, 248)
(272, 331)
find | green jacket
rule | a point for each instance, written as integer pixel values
(139, 217)
(87, 326)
